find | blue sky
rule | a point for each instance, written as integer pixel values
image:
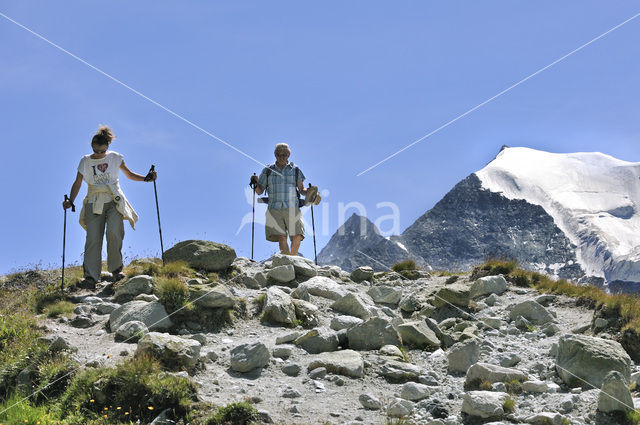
(344, 83)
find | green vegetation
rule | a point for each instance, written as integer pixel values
(404, 265)
(397, 421)
(494, 266)
(509, 405)
(154, 267)
(486, 386)
(241, 413)
(136, 389)
(451, 279)
(259, 302)
(59, 308)
(627, 306)
(514, 387)
(172, 292)
(405, 354)
(633, 417)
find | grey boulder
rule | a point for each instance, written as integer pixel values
(584, 361)
(133, 287)
(372, 335)
(247, 357)
(532, 311)
(488, 285)
(153, 315)
(278, 307)
(205, 255)
(173, 352)
(344, 362)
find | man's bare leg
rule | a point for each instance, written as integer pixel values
(295, 244)
(284, 246)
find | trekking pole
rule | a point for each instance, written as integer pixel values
(155, 191)
(64, 239)
(253, 216)
(313, 225)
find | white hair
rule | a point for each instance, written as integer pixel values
(282, 146)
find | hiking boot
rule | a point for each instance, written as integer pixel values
(87, 283)
(118, 276)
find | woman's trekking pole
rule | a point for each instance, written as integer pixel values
(253, 216)
(64, 239)
(155, 191)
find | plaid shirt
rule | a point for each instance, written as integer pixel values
(281, 186)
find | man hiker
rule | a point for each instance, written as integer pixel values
(104, 206)
(283, 183)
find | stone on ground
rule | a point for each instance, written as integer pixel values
(614, 394)
(173, 352)
(246, 357)
(344, 362)
(203, 255)
(153, 315)
(372, 335)
(484, 404)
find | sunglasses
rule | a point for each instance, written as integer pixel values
(100, 152)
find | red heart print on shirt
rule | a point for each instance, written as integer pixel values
(103, 167)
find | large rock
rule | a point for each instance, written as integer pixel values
(488, 285)
(324, 287)
(615, 395)
(282, 274)
(173, 352)
(484, 404)
(303, 267)
(247, 357)
(353, 305)
(318, 340)
(463, 355)
(584, 361)
(204, 255)
(278, 307)
(457, 294)
(307, 313)
(344, 322)
(372, 334)
(362, 273)
(532, 311)
(153, 315)
(131, 331)
(485, 372)
(385, 294)
(133, 287)
(418, 334)
(218, 296)
(414, 391)
(344, 362)
(398, 371)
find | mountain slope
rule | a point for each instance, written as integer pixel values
(593, 198)
(358, 242)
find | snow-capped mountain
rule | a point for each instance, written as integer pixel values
(569, 215)
(592, 197)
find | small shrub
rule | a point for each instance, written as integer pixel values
(136, 389)
(496, 266)
(15, 410)
(633, 417)
(509, 405)
(259, 302)
(59, 308)
(404, 265)
(241, 413)
(172, 292)
(486, 386)
(514, 387)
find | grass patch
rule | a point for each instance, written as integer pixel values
(259, 303)
(134, 390)
(509, 405)
(241, 413)
(404, 266)
(59, 308)
(494, 266)
(486, 386)
(633, 417)
(25, 412)
(405, 354)
(172, 292)
(514, 387)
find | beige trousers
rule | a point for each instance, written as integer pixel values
(96, 223)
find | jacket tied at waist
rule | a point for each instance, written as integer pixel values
(98, 195)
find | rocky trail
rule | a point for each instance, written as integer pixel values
(320, 345)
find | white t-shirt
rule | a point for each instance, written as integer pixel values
(101, 172)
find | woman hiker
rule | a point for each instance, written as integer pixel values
(284, 184)
(104, 205)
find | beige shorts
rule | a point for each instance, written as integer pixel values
(283, 221)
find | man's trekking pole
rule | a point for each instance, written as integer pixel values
(313, 225)
(253, 212)
(64, 238)
(155, 191)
